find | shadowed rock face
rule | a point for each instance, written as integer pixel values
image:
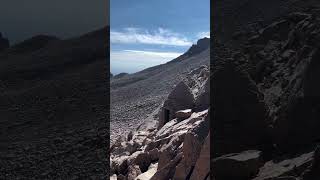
(239, 115)
(4, 43)
(276, 66)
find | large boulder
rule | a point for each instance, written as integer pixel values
(240, 115)
(244, 165)
(180, 98)
(203, 99)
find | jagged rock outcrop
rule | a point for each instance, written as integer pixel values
(202, 45)
(4, 43)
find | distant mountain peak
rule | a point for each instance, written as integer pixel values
(202, 44)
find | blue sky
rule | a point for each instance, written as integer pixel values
(146, 33)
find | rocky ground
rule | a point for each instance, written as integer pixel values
(135, 96)
(53, 106)
(170, 146)
(265, 96)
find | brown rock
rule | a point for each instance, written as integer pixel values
(202, 167)
(168, 170)
(165, 157)
(191, 149)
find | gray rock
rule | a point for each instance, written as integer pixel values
(183, 114)
(242, 165)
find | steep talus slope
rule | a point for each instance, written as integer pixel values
(135, 96)
(53, 107)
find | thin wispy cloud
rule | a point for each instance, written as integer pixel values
(136, 56)
(136, 60)
(203, 34)
(140, 36)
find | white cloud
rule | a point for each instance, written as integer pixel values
(203, 34)
(139, 36)
(155, 54)
(134, 60)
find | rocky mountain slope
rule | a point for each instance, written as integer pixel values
(135, 96)
(174, 141)
(53, 107)
(265, 98)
